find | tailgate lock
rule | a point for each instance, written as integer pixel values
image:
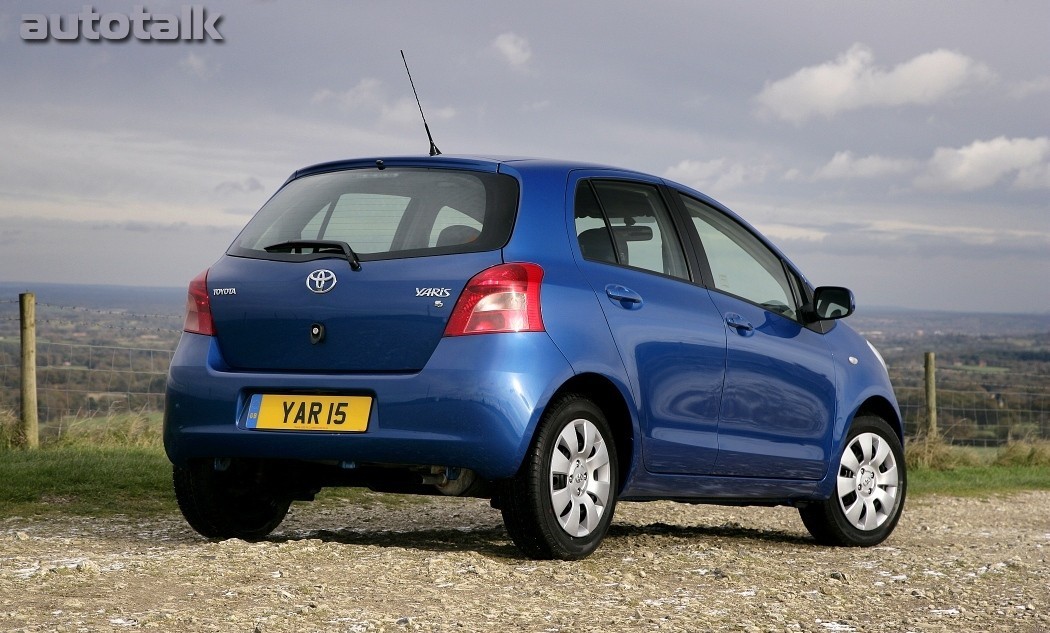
(317, 333)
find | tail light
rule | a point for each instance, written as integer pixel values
(198, 307)
(504, 298)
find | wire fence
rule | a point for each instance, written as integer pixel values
(81, 380)
(120, 362)
(91, 361)
(976, 406)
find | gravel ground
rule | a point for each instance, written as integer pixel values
(423, 564)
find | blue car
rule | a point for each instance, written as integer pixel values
(549, 335)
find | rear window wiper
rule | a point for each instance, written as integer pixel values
(333, 247)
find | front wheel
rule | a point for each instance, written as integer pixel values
(870, 486)
(229, 498)
(561, 502)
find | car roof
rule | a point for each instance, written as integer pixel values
(473, 161)
(492, 163)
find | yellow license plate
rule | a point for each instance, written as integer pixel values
(338, 414)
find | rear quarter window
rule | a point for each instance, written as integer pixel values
(396, 212)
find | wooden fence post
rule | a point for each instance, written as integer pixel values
(931, 395)
(30, 422)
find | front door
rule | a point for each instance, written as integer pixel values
(778, 404)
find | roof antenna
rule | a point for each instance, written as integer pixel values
(434, 151)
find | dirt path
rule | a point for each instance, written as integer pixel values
(447, 565)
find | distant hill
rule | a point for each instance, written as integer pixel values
(905, 322)
(136, 299)
(889, 321)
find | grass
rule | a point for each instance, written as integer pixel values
(978, 481)
(105, 466)
(10, 433)
(982, 370)
(132, 430)
(116, 465)
(86, 481)
(140, 429)
(935, 467)
(91, 466)
(925, 453)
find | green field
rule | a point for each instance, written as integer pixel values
(978, 481)
(89, 481)
(78, 479)
(111, 465)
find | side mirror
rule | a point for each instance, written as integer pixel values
(830, 302)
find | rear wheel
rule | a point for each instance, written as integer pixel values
(229, 498)
(870, 487)
(561, 502)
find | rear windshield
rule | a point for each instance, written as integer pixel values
(396, 212)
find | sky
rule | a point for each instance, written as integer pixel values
(901, 149)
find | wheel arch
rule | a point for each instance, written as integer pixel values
(881, 407)
(607, 397)
(875, 404)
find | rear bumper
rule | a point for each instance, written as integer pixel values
(475, 405)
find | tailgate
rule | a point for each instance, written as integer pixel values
(288, 316)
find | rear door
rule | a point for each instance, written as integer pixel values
(778, 405)
(287, 297)
(668, 332)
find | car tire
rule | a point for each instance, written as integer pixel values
(561, 502)
(229, 502)
(870, 486)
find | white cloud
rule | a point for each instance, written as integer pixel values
(845, 165)
(719, 174)
(322, 95)
(895, 236)
(406, 112)
(536, 106)
(250, 184)
(982, 164)
(853, 81)
(514, 48)
(786, 232)
(966, 235)
(370, 96)
(198, 66)
(140, 253)
(368, 92)
(1034, 87)
(1034, 176)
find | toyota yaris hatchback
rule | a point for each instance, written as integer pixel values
(553, 336)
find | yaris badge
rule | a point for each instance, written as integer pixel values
(321, 281)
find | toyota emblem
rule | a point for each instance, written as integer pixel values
(321, 281)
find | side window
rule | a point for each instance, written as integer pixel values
(628, 224)
(741, 265)
(591, 229)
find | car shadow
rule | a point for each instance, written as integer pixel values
(490, 541)
(730, 530)
(496, 543)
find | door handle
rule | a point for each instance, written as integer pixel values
(739, 323)
(625, 296)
